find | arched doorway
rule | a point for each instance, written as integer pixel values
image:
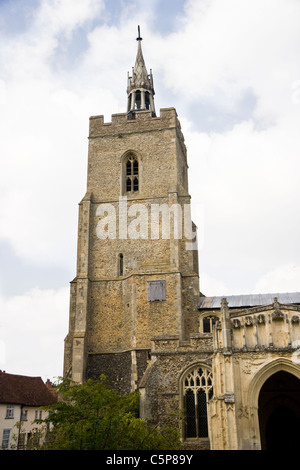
(279, 412)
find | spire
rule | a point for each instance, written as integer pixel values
(140, 89)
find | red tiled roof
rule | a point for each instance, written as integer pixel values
(23, 390)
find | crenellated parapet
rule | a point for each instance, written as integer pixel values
(121, 124)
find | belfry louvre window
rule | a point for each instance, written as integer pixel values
(156, 290)
(132, 174)
(197, 390)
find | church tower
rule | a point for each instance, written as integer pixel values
(137, 265)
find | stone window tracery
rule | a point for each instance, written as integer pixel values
(197, 386)
(132, 174)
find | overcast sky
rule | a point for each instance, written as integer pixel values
(231, 69)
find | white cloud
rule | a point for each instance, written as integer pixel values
(247, 182)
(210, 286)
(282, 279)
(39, 171)
(56, 16)
(225, 49)
(285, 278)
(32, 330)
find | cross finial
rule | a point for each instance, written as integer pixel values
(139, 35)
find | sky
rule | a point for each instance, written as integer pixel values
(231, 69)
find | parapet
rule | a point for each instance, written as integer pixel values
(122, 124)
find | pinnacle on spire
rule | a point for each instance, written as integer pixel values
(140, 89)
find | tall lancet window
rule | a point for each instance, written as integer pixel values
(197, 389)
(132, 174)
(121, 264)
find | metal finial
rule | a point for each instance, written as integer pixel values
(139, 35)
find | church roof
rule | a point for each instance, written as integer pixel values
(249, 300)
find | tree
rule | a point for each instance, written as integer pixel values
(92, 416)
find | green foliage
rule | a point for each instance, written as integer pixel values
(92, 416)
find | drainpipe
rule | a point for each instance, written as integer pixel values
(19, 432)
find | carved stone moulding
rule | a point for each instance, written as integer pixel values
(236, 323)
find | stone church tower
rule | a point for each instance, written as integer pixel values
(226, 371)
(135, 278)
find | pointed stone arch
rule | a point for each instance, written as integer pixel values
(131, 183)
(279, 412)
(259, 379)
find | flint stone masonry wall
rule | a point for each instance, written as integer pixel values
(161, 398)
(122, 316)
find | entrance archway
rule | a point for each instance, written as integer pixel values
(279, 412)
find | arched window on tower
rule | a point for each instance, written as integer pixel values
(197, 389)
(131, 174)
